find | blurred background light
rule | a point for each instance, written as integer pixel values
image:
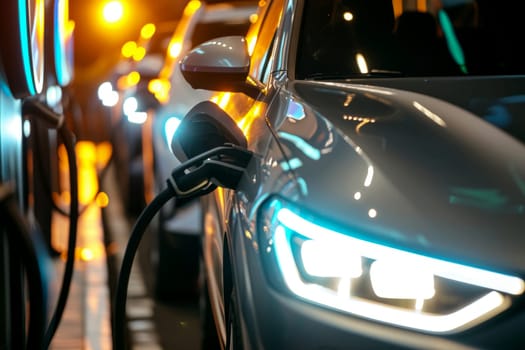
(113, 11)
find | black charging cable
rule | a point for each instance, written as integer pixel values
(222, 166)
(68, 139)
(20, 242)
(137, 232)
(34, 108)
(52, 123)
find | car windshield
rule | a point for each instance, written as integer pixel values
(160, 40)
(383, 38)
(205, 31)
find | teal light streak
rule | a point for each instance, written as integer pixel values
(293, 164)
(57, 45)
(24, 43)
(478, 197)
(62, 64)
(310, 151)
(452, 41)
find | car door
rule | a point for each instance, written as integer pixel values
(220, 208)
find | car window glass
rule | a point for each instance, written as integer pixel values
(160, 40)
(265, 61)
(265, 40)
(358, 38)
(205, 31)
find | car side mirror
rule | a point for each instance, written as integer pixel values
(205, 126)
(220, 64)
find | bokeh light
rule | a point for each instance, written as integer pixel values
(113, 11)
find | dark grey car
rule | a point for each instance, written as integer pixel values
(384, 206)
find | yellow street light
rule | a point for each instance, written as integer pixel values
(113, 11)
(147, 31)
(128, 49)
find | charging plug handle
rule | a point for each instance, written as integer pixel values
(222, 166)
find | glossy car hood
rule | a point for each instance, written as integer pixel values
(407, 169)
(497, 99)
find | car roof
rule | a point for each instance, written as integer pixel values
(231, 11)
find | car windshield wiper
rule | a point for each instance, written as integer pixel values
(374, 73)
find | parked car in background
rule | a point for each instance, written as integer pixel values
(378, 209)
(175, 254)
(130, 107)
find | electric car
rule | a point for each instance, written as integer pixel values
(175, 253)
(382, 206)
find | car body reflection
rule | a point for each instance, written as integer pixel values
(380, 209)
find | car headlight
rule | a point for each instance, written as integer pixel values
(132, 111)
(344, 271)
(107, 95)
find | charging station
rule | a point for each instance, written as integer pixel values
(35, 56)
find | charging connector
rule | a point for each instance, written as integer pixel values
(222, 166)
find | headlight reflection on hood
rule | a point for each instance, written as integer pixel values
(378, 282)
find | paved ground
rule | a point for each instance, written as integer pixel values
(85, 323)
(103, 231)
(152, 325)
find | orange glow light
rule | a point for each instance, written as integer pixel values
(246, 123)
(94, 251)
(223, 99)
(133, 78)
(103, 150)
(398, 7)
(422, 5)
(102, 199)
(174, 49)
(128, 49)
(86, 254)
(139, 53)
(160, 88)
(191, 7)
(87, 175)
(154, 86)
(147, 31)
(113, 11)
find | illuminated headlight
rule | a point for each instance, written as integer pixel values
(342, 271)
(107, 95)
(130, 105)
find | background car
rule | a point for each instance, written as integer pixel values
(143, 60)
(378, 210)
(175, 254)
